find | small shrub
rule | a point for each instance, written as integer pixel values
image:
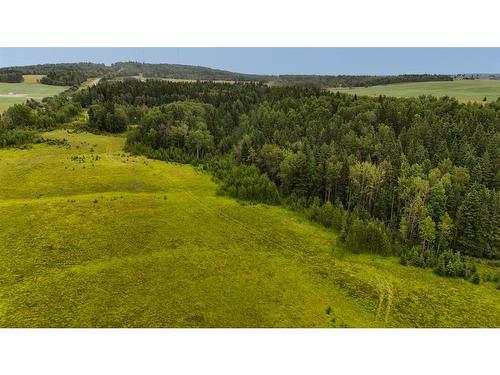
(368, 236)
(246, 182)
(453, 264)
(403, 260)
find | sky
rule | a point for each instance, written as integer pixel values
(327, 61)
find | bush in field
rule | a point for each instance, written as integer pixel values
(368, 236)
(247, 183)
(418, 257)
(328, 215)
(15, 137)
(108, 118)
(19, 115)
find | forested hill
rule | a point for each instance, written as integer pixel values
(73, 74)
(179, 71)
(87, 68)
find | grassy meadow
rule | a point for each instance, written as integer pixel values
(93, 237)
(15, 93)
(463, 90)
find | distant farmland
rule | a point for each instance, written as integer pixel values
(464, 90)
(14, 93)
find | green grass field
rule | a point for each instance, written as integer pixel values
(92, 237)
(464, 90)
(15, 93)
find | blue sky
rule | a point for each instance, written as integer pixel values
(279, 60)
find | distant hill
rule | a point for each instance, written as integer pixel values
(86, 68)
(181, 72)
(74, 74)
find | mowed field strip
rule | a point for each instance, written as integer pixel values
(15, 93)
(463, 90)
(93, 237)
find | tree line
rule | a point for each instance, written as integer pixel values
(64, 78)
(325, 81)
(11, 77)
(63, 74)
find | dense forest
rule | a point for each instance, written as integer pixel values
(414, 177)
(63, 74)
(64, 78)
(127, 69)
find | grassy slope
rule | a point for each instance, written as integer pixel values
(465, 90)
(125, 241)
(30, 88)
